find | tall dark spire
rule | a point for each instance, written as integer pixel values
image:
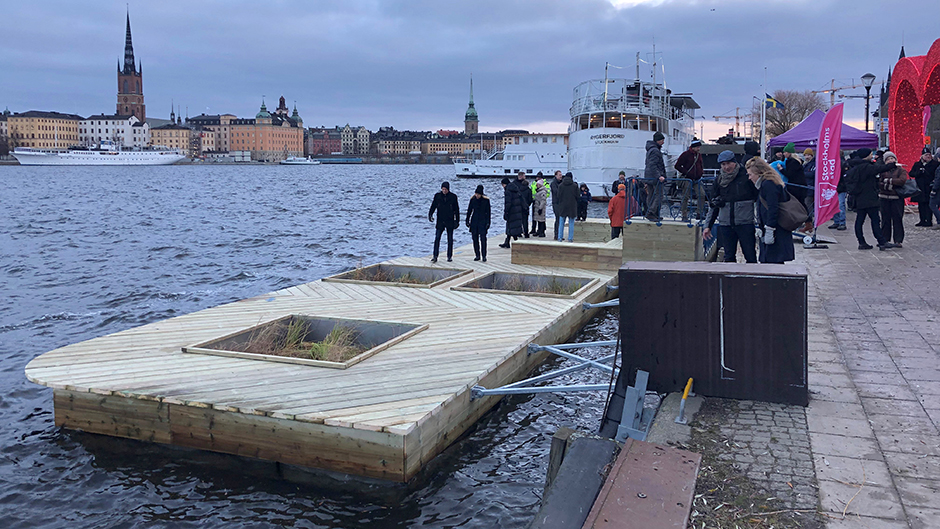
(902, 55)
(129, 67)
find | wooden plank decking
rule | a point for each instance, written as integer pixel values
(384, 417)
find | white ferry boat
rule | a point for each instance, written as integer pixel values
(611, 121)
(106, 154)
(530, 153)
(296, 160)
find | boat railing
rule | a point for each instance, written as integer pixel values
(656, 107)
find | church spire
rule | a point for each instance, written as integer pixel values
(902, 55)
(129, 66)
(471, 121)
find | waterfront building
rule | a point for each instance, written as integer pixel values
(323, 141)
(455, 146)
(388, 141)
(214, 131)
(471, 122)
(269, 137)
(173, 136)
(4, 132)
(355, 140)
(126, 131)
(43, 130)
(130, 97)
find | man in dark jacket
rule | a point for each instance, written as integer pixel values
(448, 218)
(794, 177)
(523, 185)
(861, 182)
(935, 198)
(922, 172)
(568, 194)
(690, 166)
(733, 208)
(478, 221)
(513, 210)
(655, 175)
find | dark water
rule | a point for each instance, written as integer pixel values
(86, 252)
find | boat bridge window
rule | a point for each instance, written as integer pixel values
(596, 121)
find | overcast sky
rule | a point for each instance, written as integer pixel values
(407, 63)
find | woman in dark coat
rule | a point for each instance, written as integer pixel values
(568, 194)
(478, 220)
(776, 244)
(514, 206)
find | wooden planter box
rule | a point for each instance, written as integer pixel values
(376, 336)
(527, 284)
(424, 276)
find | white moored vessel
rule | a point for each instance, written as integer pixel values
(106, 154)
(611, 121)
(529, 153)
(296, 160)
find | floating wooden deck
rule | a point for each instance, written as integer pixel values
(384, 417)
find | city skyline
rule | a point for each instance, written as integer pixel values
(408, 65)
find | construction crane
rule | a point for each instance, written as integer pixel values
(737, 116)
(833, 89)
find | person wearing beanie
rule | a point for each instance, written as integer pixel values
(733, 209)
(448, 218)
(621, 180)
(892, 205)
(514, 206)
(478, 221)
(690, 166)
(655, 175)
(751, 149)
(922, 172)
(526, 192)
(583, 200)
(861, 182)
(789, 148)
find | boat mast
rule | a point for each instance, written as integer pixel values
(606, 66)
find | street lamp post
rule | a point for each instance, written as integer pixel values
(867, 79)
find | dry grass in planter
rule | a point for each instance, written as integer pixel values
(288, 339)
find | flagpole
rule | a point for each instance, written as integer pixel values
(763, 116)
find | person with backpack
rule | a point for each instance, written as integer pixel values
(775, 241)
(861, 182)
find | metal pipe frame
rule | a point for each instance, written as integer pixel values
(611, 303)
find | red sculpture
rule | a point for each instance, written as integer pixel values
(915, 84)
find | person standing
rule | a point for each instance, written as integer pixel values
(655, 175)
(809, 173)
(621, 179)
(935, 198)
(538, 178)
(583, 200)
(892, 206)
(526, 193)
(539, 206)
(513, 211)
(448, 218)
(776, 243)
(553, 194)
(478, 221)
(922, 172)
(733, 208)
(567, 206)
(838, 220)
(690, 166)
(862, 183)
(617, 210)
(794, 178)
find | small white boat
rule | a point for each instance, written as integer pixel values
(296, 160)
(529, 153)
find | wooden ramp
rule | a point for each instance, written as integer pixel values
(384, 417)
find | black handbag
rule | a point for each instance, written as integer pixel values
(909, 190)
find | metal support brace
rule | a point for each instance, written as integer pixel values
(523, 386)
(611, 288)
(636, 420)
(611, 303)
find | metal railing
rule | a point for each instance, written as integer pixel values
(679, 198)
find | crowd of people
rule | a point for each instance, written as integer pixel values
(745, 199)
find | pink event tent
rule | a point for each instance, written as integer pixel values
(807, 133)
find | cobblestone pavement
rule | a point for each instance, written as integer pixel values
(874, 350)
(770, 445)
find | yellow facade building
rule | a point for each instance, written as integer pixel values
(43, 130)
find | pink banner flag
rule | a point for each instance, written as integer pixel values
(828, 165)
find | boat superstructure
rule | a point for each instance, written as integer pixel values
(611, 121)
(297, 160)
(107, 153)
(529, 153)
